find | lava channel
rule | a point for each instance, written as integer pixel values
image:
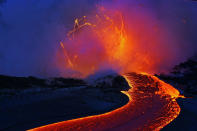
(152, 105)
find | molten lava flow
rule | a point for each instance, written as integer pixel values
(106, 40)
(150, 107)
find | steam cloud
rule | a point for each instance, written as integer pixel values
(30, 31)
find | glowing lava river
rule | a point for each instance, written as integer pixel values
(152, 105)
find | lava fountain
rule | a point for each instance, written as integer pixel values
(106, 40)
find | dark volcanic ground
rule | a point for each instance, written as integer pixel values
(42, 102)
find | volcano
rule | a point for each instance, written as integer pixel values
(98, 65)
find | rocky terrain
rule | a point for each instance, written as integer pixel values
(183, 77)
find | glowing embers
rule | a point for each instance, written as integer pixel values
(96, 42)
(79, 23)
(67, 59)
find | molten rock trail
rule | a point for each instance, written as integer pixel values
(152, 105)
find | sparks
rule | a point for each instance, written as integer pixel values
(66, 55)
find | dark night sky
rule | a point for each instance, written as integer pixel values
(30, 30)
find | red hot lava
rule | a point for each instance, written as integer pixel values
(150, 107)
(107, 40)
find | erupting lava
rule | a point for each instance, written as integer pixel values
(150, 107)
(106, 41)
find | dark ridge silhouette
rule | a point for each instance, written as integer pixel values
(9, 82)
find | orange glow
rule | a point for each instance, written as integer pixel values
(105, 40)
(146, 110)
(109, 40)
